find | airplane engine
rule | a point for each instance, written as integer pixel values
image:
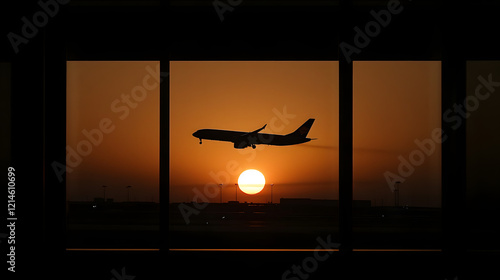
(240, 145)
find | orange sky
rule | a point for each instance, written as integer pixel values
(395, 103)
(244, 96)
(127, 155)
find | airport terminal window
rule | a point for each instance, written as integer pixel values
(112, 154)
(396, 121)
(397, 154)
(210, 206)
(483, 135)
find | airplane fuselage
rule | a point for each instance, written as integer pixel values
(240, 141)
(250, 139)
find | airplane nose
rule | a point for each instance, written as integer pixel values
(195, 134)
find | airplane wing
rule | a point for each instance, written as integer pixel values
(253, 132)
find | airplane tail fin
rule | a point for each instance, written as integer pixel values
(303, 129)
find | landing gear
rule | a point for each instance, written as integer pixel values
(200, 141)
(253, 146)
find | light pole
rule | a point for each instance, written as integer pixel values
(128, 193)
(220, 185)
(396, 194)
(272, 193)
(104, 190)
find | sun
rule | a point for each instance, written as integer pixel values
(251, 181)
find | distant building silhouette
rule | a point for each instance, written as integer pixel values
(321, 202)
(102, 200)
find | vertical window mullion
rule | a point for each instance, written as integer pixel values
(345, 133)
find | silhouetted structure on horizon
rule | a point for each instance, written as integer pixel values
(321, 202)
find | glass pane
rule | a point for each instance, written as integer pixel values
(112, 138)
(298, 203)
(397, 154)
(483, 152)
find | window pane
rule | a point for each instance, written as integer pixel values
(112, 154)
(397, 131)
(301, 180)
(483, 152)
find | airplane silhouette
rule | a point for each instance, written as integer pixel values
(242, 140)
